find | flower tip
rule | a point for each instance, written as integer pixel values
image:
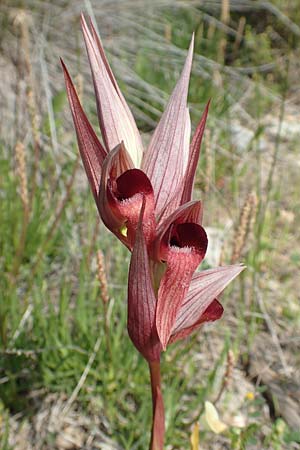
(83, 23)
(191, 46)
(82, 18)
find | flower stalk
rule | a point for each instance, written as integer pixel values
(158, 415)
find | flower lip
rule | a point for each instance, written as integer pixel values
(184, 238)
(130, 183)
(189, 235)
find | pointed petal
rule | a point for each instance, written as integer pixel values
(121, 196)
(166, 159)
(213, 312)
(115, 119)
(186, 249)
(204, 288)
(190, 212)
(194, 158)
(175, 198)
(115, 84)
(91, 150)
(141, 299)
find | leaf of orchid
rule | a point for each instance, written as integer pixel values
(186, 249)
(91, 150)
(141, 299)
(213, 312)
(204, 288)
(158, 430)
(116, 121)
(116, 162)
(194, 157)
(166, 158)
(189, 212)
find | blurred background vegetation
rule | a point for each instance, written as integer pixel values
(69, 376)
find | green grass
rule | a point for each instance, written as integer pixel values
(51, 311)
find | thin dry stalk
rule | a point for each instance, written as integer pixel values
(246, 222)
(239, 35)
(222, 50)
(21, 173)
(102, 277)
(223, 252)
(225, 11)
(254, 205)
(211, 31)
(22, 20)
(225, 18)
(227, 375)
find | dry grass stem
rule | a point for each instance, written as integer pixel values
(102, 277)
(22, 175)
(246, 223)
(239, 35)
(225, 12)
(23, 181)
(22, 20)
(227, 375)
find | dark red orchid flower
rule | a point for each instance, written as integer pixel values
(120, 172)
(144, 198)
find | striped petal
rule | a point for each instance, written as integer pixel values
(204, 288)
(141, 299)
(91, 150)
(186, 247)
(116, 121)
(194, 158)
(166, 159)
(213, 312)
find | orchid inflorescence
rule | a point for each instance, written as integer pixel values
(144, 197)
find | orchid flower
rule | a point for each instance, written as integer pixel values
(145, 198)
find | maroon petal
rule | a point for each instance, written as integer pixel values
(166, 159)
(194, 158)
(91, 150)
(141, 299)
(116, 121)
(186, 249)
(121, 196)
(204, 288)
(190, 212)
(213, 312)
